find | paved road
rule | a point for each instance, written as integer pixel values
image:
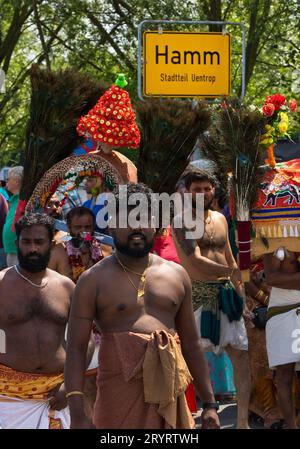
(227, 415)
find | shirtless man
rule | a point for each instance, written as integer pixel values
(206, 261)
(282, 329)
(32, 322)
(83, 250)
(138, 301)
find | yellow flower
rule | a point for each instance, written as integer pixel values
(284, 117)
(283, 126)
(267, 141)
(269, 128)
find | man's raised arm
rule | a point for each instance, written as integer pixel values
(206, 267)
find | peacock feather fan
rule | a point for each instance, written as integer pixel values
(58, 100)
(235, 147)
(213, 148)
(169, 131)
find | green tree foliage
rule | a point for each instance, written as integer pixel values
(100, 37)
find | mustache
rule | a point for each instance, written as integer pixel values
(137, 234)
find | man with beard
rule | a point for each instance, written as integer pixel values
(82, 251)
(34, 308)
(142, 305)
(217, 293)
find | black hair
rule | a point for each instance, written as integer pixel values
(221, 196)
(131, 189)
(79, 211)
(36, 219)
(199, 175)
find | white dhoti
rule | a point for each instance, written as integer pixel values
(24, 401)
(283, 339)
(231, 333)
(94, 363)
(18, 413)
(283, 329)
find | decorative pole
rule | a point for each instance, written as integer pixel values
(271, 158)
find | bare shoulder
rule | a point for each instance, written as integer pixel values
(218, 216)
(58, 249)
(171, 268)
(97, 272)
(66, 282)
(4, 273)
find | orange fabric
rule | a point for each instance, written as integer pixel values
(166, 377)
(17, 384)
(54, 423)
(141, 381)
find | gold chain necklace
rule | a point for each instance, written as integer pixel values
(140, 291)
(212, 233)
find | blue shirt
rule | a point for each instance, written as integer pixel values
(4, 192)
(95, 204)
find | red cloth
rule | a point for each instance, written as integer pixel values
(190, 396)
(164, 246)
(19, 213)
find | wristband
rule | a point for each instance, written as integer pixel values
(207, 405)
(73, 393)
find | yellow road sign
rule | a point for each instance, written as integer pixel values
(186, 64)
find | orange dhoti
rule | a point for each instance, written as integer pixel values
(24, 401)
(141, 382)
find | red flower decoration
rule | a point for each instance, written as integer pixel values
(268, 109)
(277, 100)
(111, 121)
(293, 105)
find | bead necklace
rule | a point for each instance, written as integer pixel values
(28, 280)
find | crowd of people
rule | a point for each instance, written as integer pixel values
(133, 324)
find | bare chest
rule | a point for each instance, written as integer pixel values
(214, 237)
(22, 306)
(156, 294)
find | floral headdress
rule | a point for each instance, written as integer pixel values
(111, 122)
(277, 111)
